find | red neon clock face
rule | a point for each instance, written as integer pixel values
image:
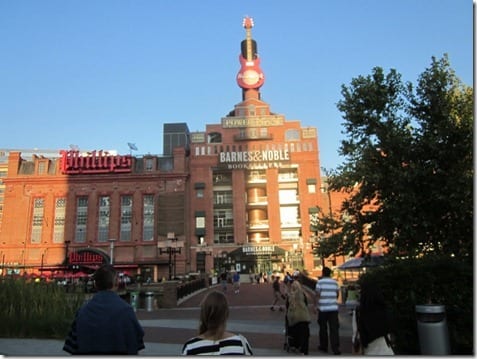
(250, 79)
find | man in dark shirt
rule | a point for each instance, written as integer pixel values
(223, 281)
(106, 324)
(277, 294)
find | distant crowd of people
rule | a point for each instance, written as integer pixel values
(107, 324)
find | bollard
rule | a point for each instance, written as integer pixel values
(134, 300)
(149, 301)
(432, 329)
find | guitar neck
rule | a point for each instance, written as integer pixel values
(249, 44)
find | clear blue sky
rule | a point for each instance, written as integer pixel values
(100, 74)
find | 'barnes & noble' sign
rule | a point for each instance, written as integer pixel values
(74, 162)
(253, 159)
(255, 250)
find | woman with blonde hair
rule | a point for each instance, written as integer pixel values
(213, 339)
(298, 318)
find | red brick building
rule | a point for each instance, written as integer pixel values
(255, 182)
(238, 195)
(74, 211)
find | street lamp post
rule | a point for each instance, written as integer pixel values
(3, 264)
(43, 260)
(111, 250)
(295, 247)
(67, 246)
(224, 261)
(204, 250)
(175, 251)
(172, 246)
(24, 254)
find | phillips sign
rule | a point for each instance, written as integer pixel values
(74, 162)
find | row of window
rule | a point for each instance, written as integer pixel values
(290, 135)
(223, 196)
(125, 221)
(48, 166)
(38, 219)
(209, 150)
(82, 216)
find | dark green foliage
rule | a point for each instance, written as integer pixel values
(36, 310)
(430, 280)
(409, 172)
(409, 153)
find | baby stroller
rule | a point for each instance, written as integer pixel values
(296, 336)
(290, 341)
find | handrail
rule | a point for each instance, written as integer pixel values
(190, 287)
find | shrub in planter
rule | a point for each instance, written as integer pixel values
(36, 310)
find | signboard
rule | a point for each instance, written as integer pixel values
(197, 137)
(309, 132)
(255, 250)
(253, 159)
(252, 121)
(85, 256)
(74, 162)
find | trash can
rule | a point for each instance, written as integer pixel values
(134, 300)
(432, 329)
(149, 301)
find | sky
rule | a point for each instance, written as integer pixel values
(100, 74)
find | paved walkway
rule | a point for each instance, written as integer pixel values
(167, 329)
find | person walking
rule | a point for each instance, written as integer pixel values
(236, 282)
(288, 278)
(277, 294)
(223, 281)
(326, 301)
(298, 318)
(106, 324)
(351, 298)
(213, 339)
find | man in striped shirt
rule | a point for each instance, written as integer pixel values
(327, 290)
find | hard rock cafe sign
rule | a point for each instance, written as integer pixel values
(250, 75)
(75, 162)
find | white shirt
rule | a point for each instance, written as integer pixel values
(234, 345)
(327, 289)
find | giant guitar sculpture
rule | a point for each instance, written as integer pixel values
(250, 76)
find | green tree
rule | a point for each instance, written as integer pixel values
(330, 244)
(410, 152)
